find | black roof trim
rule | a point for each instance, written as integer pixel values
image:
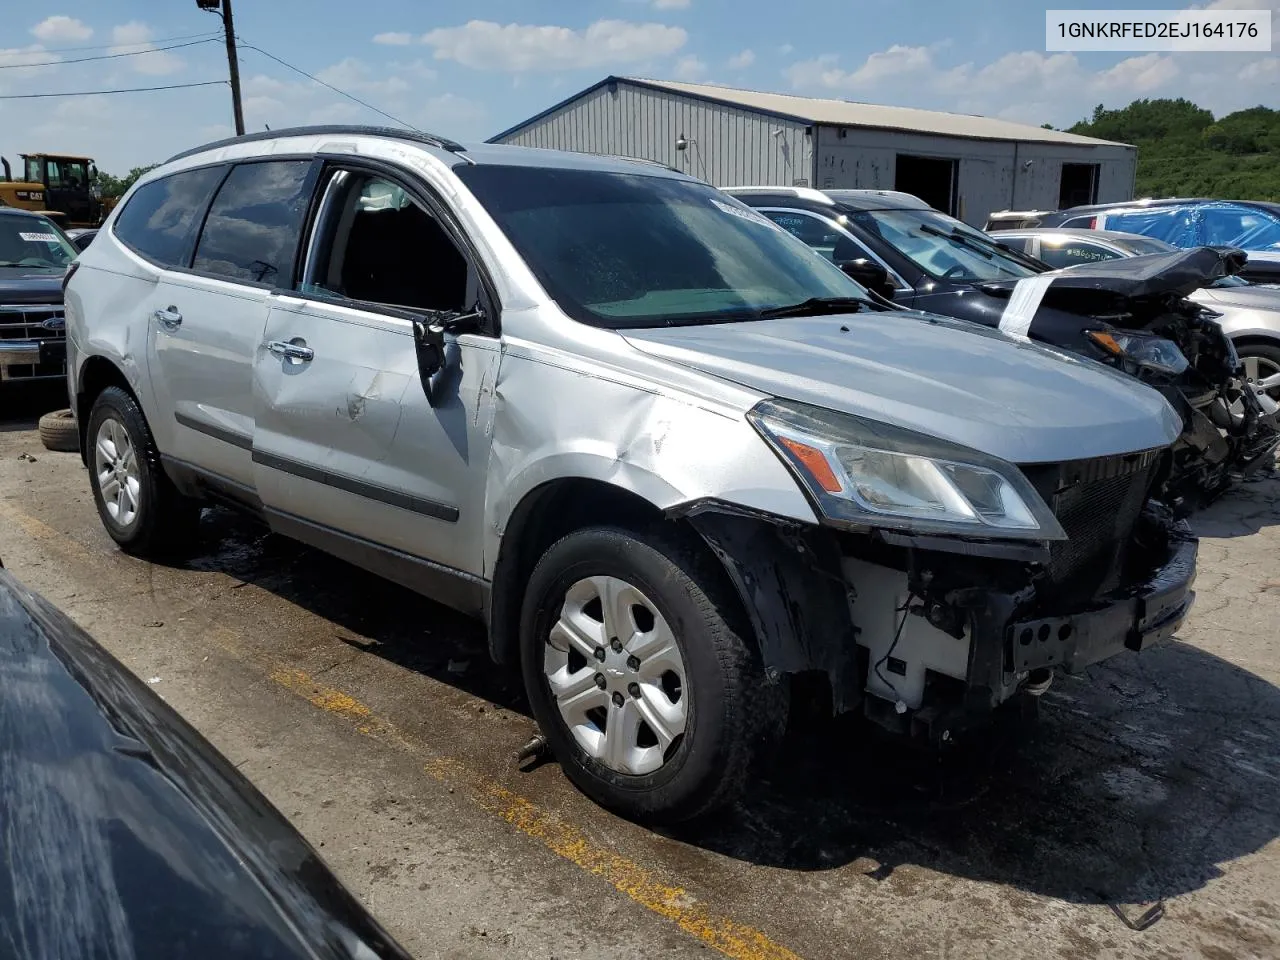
(613, 81)
(19, 211)
(333, 129)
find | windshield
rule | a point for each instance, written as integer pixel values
(33, 242)
(943, 247)
(632, 250)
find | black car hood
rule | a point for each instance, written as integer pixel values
(31, 284)
(124, 834)
(1098, 288)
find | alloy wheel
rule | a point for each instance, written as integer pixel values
(1263, 372)
(115, 462)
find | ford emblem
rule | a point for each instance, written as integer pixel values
(54, 323)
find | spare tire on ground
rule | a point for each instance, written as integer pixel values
(58, 431)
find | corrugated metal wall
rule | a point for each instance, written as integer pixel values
(736, 146)
(868, 159)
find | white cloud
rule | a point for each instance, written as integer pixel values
(1033, 86)
(61, 29)
(689, 68)
(671, 4)
(742, 60)
(515, 47)
(16, 60)
(394, 39)
(135, 37)
(786, 49)
(355, 76)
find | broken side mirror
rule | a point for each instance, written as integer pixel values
(871, 275)
(429, 341)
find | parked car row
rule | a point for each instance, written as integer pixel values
(673, 457)
(923, 259)
(1252, 226)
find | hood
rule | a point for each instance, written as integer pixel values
(957, 381)
(1116, 285)
(31, 284)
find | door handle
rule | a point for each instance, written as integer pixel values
(169, 317)
(291, 350)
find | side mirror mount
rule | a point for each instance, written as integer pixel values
(429, 341)
(870, 274)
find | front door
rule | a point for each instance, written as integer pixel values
(349, 453)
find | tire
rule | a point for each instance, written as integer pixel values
(59, 431)
(1260, 360)
(731, 715)
(152, 519)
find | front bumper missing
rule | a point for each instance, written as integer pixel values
(1147, 616)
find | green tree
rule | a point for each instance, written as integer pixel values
(1184, 151)
(112, 186)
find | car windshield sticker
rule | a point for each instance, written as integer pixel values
(1023, 304)
(37, 237)
(742, 213)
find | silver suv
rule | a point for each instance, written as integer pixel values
(673, 457)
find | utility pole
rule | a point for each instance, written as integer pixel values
(223, 8)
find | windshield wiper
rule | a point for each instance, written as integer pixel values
(960, 238)
(815, 307)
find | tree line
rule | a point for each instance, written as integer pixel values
(1183, 151)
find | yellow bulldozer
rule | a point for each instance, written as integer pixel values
(63, 188)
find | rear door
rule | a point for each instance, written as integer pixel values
(207, 325)
(349, 453)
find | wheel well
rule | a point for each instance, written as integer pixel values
(1256, 339)
(545, 515)
(98, 374)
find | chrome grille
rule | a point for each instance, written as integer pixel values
(39, 321)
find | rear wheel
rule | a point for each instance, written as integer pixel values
(139, 506)
(640, 676)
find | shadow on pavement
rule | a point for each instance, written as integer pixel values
(23, 404)
(1245, 509)
(1139, 780)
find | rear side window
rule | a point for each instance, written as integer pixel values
(1073, 252)
(1170, 224)
(160, 220)
(252, 231)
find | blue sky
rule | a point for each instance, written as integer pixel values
(471, 70)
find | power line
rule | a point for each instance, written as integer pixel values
(99, 93)
(369, 106)
(107, 46)
(109, 56)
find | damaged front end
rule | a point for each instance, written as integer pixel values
(928, 632)
(1134, 315)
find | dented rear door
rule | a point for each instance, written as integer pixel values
(347, 444)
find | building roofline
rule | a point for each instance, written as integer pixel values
(800, 118)
(647, 85)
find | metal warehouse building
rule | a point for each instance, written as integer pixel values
(967, 166)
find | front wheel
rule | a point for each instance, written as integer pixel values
(639, 674)
(1261, 366)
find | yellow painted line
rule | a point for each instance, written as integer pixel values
(638, 883)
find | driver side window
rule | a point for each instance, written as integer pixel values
(376, 244)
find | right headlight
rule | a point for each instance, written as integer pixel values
(864, 473)
(1141, 349)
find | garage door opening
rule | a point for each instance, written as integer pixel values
(932, 180)
(1079, 185)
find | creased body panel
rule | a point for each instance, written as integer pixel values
(559, 417)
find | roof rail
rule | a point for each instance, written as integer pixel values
(806, 193)
(390, 133)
